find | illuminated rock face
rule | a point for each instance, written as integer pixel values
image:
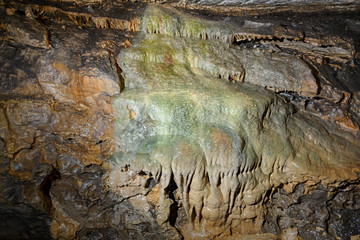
(244, 121)
(194, 121)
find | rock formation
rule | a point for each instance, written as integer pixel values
(190, 119)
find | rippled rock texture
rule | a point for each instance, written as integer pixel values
(186, 119)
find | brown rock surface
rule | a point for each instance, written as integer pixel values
(59, 74)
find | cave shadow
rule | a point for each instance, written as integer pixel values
(21, 221)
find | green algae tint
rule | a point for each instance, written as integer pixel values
(195, 112)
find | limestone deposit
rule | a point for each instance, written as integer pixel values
(194, 119)
(179, 119)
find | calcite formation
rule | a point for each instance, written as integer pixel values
(192, 119)
(179, 119)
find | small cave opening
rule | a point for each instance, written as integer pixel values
(174, 207)
(150, 183)
(45, 187)
(252, 39)
(193, 214)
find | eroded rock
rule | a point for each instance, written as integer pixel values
(202, 148)
(221, 145)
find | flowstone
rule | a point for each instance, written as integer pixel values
(195, 128)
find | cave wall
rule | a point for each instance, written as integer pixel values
(190, 119)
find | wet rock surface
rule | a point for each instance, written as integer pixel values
(123, 120)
